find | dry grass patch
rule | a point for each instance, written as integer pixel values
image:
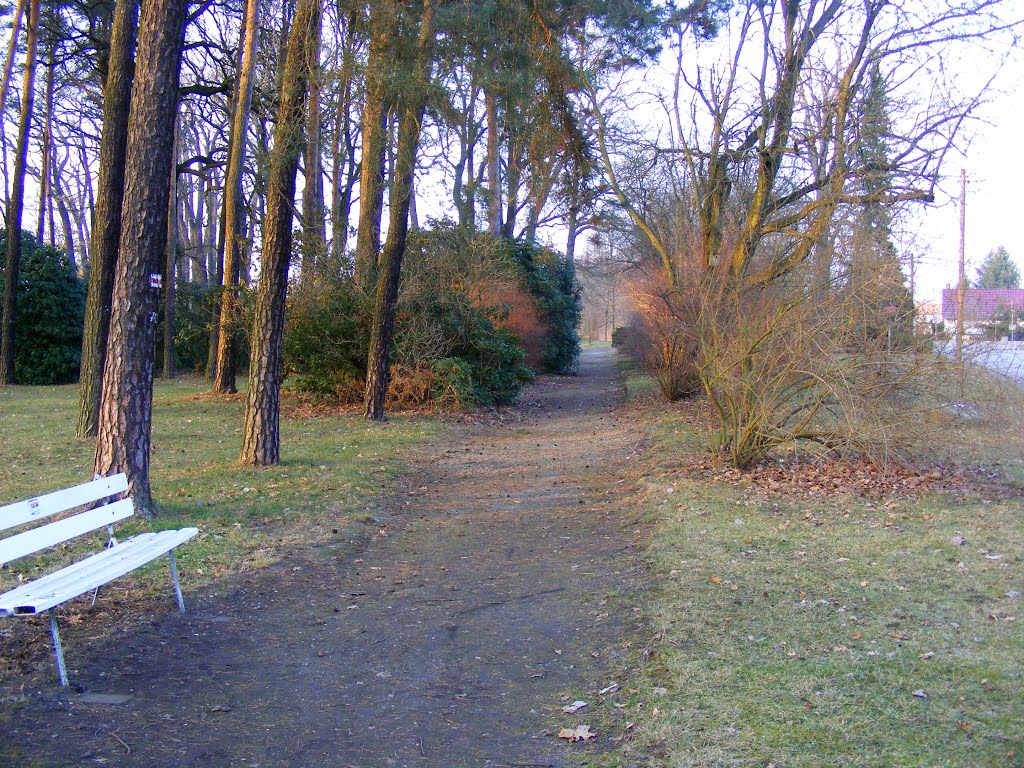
(834, 628)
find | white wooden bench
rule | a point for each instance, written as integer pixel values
(88, 575)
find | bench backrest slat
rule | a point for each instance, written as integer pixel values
(48, 535)
(21, 512)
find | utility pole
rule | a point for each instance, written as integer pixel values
(961, 288)
(913, 299)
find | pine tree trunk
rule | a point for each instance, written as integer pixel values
(106, 219)
(12, 49)
(46, 150)
(341, 196)
(337, 217)
(508, 226)
(215, 371)
(17, 204)
(383, 26)
(171, 264)
(493, 166)
(123, 438)
(572, 225)
(224, 380)
(413, 105)
(314, 234)
(261, 440)
(5, 79)
(87, 181)
(61, 199)
(414, 217)
(462, 182)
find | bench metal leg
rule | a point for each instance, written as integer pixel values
(111, 542)
(177, 585)
(58, 651)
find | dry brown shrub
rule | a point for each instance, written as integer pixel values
(519, 315)
(781, 364)
(661, 337)
(779, 369)
(409, 387)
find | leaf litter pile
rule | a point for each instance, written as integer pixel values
(806, 477)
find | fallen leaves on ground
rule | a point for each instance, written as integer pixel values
(579, 733)
(809, 477)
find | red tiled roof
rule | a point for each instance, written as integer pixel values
(982, 304)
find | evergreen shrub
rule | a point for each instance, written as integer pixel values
(50, 313)
(326, 339)
(463, 297)
(193, 313)
(551, 282)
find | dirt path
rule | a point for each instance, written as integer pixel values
(447, 640)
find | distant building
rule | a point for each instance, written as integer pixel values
(982, 305)
(929, 312)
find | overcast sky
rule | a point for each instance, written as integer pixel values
(994, 162)
(995, 191)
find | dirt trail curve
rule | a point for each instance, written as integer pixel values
(446, 641)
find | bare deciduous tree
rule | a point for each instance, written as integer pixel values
(766, 157)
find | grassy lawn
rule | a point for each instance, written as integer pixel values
(800, 630)
(332, 464)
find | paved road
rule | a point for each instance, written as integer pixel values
(1002, 357)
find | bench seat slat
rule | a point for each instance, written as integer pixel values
(21, 512)
(48, 535)
(95, 571)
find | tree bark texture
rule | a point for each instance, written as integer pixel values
(224, 378)
(413, 103)
(106, 226)
(123, 438)
(261, 440)
(343, 148)
(46, 170)
(5, 81)
(493, 165)
(17, 205)
(384, 26)
(314, 233)
(171, 265)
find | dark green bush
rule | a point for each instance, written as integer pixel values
(619, 334)
(551, 283)
(450, 343)
(452, 382)
(492, 355)
(447, 348)
(50, 313)
(193, 312)
(326, 339)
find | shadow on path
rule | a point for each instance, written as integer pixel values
(446, 640)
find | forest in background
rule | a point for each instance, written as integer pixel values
(204, 167)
